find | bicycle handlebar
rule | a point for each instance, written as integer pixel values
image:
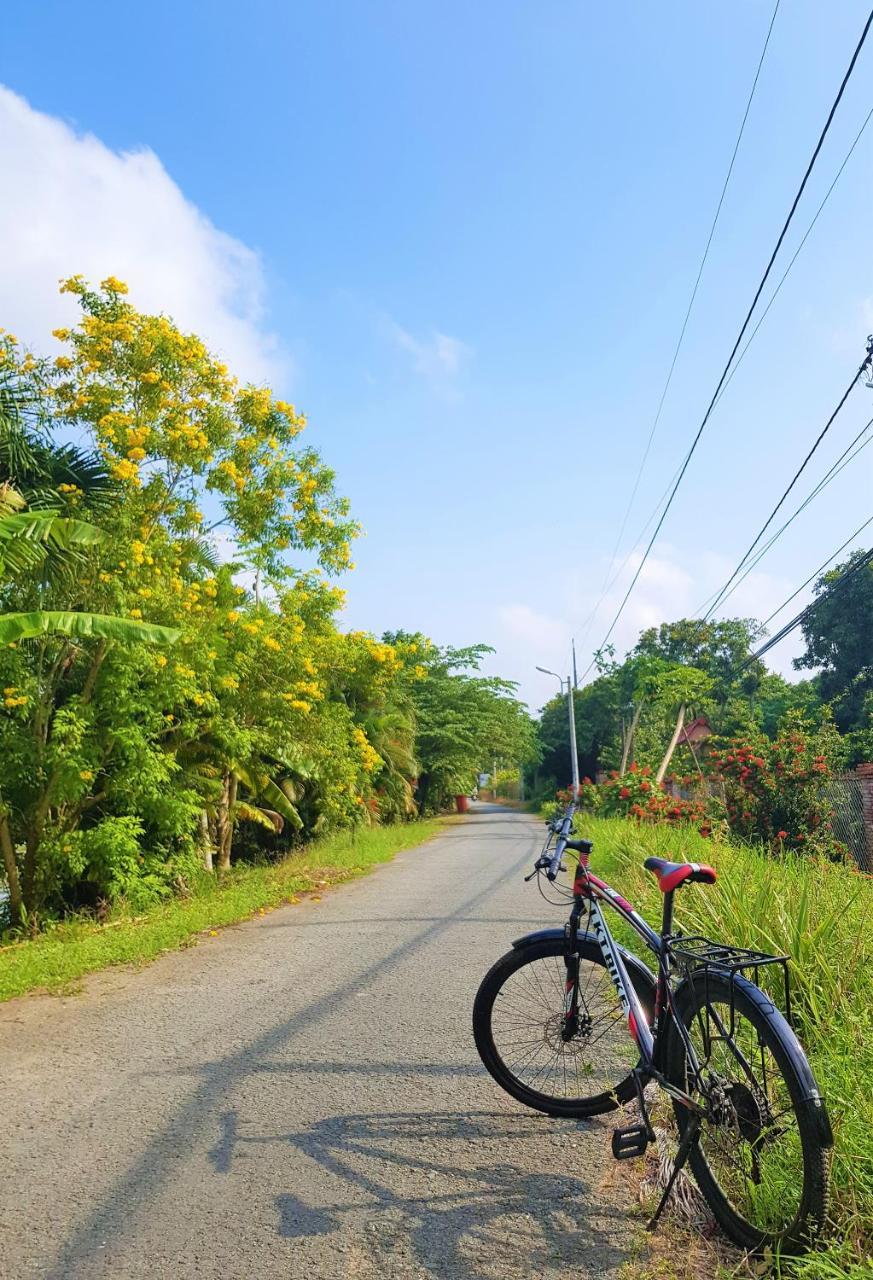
(562, 829)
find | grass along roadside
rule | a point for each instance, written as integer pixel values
(56, 959)
(821, 916)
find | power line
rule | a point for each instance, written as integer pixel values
(834, 470)
(609, 585)
(810, 609)
(795, 255)
(822, 566)
(809, 168)
(865, 364)
(691, 301)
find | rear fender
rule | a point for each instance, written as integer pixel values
(812, 1100)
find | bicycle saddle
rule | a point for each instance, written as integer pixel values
(671, 874)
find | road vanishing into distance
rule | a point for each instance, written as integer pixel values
(301, 1097)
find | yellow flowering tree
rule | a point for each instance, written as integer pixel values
(102, 793)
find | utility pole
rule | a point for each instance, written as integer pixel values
(574, 755)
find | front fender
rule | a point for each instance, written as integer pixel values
(541, 935)
(640, 974)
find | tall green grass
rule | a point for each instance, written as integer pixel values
(821, 916)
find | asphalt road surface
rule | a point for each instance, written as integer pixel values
(301, 1097)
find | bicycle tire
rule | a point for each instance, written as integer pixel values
(775, 1038)
(605, 1099)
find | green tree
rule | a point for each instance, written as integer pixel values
(464, 720)
(837, 634)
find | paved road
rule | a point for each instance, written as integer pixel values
(301, 1097)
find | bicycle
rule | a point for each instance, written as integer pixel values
(571, 1023)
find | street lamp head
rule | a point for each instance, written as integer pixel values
(547, 672)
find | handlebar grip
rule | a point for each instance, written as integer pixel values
(555, 864)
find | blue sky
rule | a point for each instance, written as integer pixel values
(462, 239)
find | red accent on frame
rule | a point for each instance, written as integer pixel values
(632, 1026)
(615, 897)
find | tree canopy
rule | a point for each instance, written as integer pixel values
(171, 702)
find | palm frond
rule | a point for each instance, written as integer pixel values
(26, 626)
(26, 537)
(262, 817)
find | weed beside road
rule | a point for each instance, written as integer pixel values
(820, 915)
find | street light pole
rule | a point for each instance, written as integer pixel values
(574, 756)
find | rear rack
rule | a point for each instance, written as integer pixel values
(695, 954)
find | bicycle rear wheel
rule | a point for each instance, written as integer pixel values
(518, 1017)
(762, 1158)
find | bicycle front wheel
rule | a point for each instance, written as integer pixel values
(762, 1159)
(518, 1020)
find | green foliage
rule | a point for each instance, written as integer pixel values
(837, 635)
(465, 720)
(158, 719)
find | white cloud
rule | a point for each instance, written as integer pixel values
(72, 206)
(671, 586)
(437, 358)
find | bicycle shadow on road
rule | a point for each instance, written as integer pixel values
(460, 1194)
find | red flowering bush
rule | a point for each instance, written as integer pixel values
(635, 794)
(773, 789)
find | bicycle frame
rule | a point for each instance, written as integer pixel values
(590, 893)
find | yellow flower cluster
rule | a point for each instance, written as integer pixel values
(126, 470)
(370, 758)
(12, 698)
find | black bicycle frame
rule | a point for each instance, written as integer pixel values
(589, 892)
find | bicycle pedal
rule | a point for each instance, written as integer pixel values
(630, 1142)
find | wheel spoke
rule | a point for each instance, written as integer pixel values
(527, 1019)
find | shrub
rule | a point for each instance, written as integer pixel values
(773, 789)
(636, 795)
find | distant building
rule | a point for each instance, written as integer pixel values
(695, 733)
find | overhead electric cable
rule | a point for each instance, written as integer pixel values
(822, 566)
(864, 366)
(691, 300)
(809, 168)
(794, 256)
(810, 608)
(848, 455)
(730, 377)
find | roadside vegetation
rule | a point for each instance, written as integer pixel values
(177, 697)
(67, 950)
(820, 914)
